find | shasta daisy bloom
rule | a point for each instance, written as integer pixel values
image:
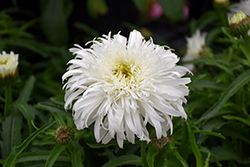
(195, 46)
(122, 84)
(8, 65)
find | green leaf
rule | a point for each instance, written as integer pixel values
(54, 22)
(225, 153)
(53, 108)
(76, 154)
(10, 161)
(141, 4)
(26, 111)
(239, 82)
(173, 9)
(151, 154)
(184, 147)
(206, 84)
(38, 156)
(177, 155)
(231, 117)
(194, 146)
(11, 133)
(210, 133)
(54, 154)
(26, 91)
(124, 160)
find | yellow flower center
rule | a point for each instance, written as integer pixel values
(126, 73)
(237, 18)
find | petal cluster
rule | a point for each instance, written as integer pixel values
(121, 85)
(195, 46)
(8, 64)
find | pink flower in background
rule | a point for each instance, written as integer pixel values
(155, 10)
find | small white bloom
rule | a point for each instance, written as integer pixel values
(8, 64)
(122, 85)
(243, 6)
(195, 46)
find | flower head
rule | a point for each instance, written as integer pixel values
(8, 66)
(195, 47)
(122, 85)
(239, 23)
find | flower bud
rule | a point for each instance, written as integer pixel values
(239, 24)
(160, 143)
(64, 135)
(8, 67)
(221, 3)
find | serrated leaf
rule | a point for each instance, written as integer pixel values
(194, 146)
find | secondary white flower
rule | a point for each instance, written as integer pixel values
(243, 6)
(8, 64)
(195, 46)
(122, 85)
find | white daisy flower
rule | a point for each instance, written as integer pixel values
(122, 85)
(243, 6)
(8, 65)
(195, 46)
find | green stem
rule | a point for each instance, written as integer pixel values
(143, 154)
(7, 100)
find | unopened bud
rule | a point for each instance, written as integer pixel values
(64, 135)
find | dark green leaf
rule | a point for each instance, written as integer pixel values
(124, 160)
(151, 154)
(231, 117)
(11, 160)
(194, 146)
(25, 93)
(53, 108)
(239, 82)
(11, 133)
(38, 156)
(54, 155)
(54, 22)
(26, 110)
(173, 9)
